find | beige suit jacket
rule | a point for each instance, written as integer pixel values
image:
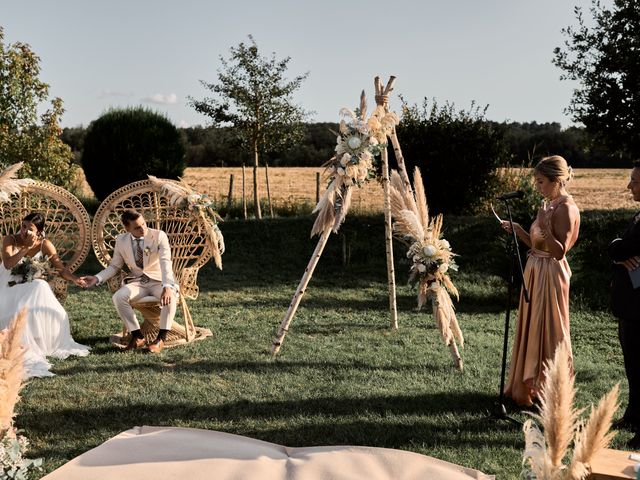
(156, 258)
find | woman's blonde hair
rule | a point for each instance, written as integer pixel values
(555, 168)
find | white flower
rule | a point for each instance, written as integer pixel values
(429, 250)
(421, 268)
(345, 159)
(363, 172)
(416, 259)
(443, 268)
(445, 244)
(354, 142)
(374, 124)
(351, 171)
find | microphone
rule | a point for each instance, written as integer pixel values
(510, 195)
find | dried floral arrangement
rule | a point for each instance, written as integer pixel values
(30, 269)
(359, 142)
(9, 185)
(431, 257)
(200, 205)
(12, 445)
(546, 450)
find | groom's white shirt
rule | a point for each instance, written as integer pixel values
(156, 258)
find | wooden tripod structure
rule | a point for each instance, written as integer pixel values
(381, 96)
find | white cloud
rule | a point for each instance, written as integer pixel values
(183, 124)
(113, 93)
(161, 99)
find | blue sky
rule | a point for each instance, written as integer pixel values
(97, 55)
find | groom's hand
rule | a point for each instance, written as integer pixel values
(165, 298)
(630, 263)
(89, 281)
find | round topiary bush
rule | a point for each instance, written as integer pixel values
(458, 153)
(126, 145)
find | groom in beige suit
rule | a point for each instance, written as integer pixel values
(146, 252)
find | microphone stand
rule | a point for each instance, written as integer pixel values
(500, 412)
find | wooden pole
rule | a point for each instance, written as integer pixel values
(297, 297)
(402, 168)
(230, 196)
(317, 187)
(266, 173)
(388, 241)
(244, 192)
(382, 99)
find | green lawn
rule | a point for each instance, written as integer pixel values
(342, 377)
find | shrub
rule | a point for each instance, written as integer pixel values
(125, 145)
(457, 152)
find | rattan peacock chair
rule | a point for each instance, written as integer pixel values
(67, 223)
(189, 252)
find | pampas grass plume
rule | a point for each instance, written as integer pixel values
(11, 370)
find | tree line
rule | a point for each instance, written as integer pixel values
(523, 142)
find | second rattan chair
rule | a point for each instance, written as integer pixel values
(189, 252)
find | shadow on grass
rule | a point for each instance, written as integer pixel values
(160, 365)
(356, 421)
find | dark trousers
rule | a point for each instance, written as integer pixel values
(629, 335)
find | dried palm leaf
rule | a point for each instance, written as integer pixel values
(326, 208)
(421, 198)
(175, 192)
(9, 185)
(179, 195)
(343, 205)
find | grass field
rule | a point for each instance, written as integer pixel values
(591, 188)
(343, 377)
(292, 187)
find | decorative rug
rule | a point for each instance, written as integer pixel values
(161, 453)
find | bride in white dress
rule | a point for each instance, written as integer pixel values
(47, 332)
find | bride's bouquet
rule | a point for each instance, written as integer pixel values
(30, 269)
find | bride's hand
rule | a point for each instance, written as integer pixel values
(544, 216)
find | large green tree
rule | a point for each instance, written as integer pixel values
(254, 96)
(26, 136)
(603, 54)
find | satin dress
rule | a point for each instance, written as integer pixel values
(543, 323)
(47, 332)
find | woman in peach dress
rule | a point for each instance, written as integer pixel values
(543, 323)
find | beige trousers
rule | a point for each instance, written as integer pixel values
(134, 291)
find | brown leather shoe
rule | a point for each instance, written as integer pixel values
(135, 343)
(156, 346)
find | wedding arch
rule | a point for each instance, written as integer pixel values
(360, 140)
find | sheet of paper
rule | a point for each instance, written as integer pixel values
(495, 214)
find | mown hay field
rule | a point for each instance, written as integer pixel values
(602, 188)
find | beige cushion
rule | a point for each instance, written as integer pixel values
(182, 453)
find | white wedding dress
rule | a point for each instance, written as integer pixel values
(47, 332)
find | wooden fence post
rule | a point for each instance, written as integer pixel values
(244, 197)
(266, 172)
(230, 196)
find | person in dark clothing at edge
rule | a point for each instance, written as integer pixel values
(625, 302)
